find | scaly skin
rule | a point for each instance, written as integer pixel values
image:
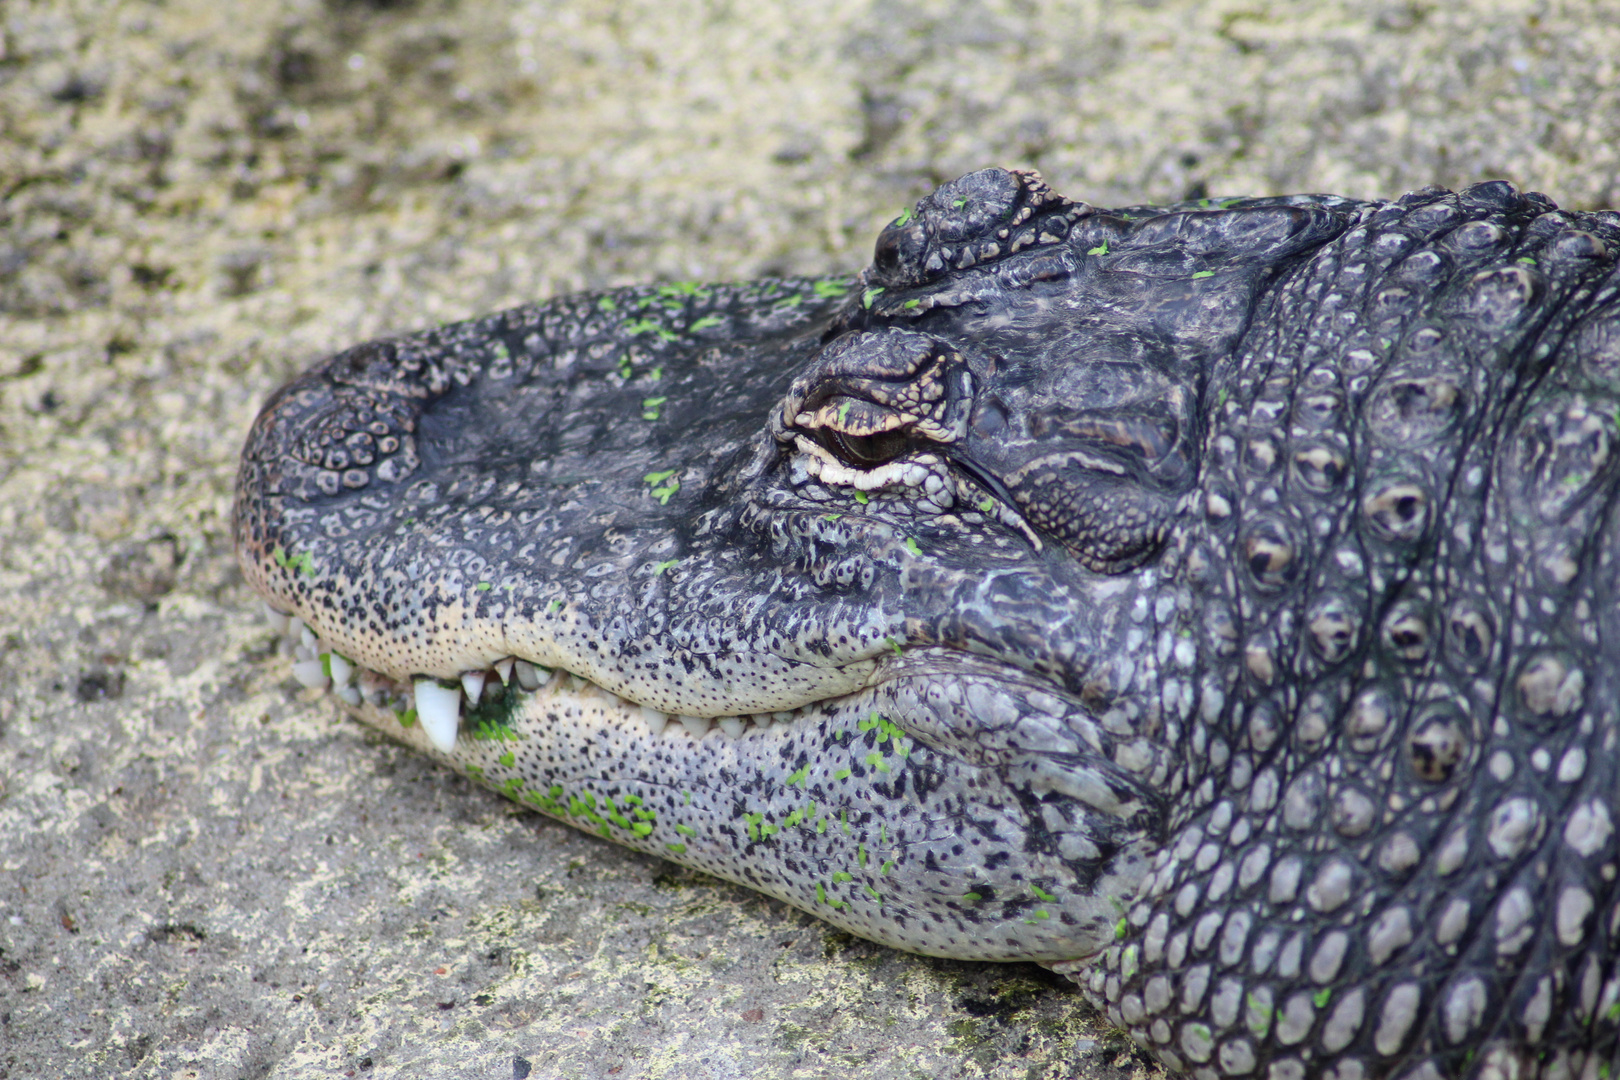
(1217, 604)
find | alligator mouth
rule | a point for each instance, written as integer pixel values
(446, 707)
(877, 807)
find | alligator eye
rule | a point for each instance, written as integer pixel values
(867, 451)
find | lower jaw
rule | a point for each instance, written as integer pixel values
(829, 807)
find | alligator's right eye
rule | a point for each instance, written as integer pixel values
(867, 451)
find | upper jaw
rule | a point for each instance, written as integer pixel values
(712, 576)
(756, 606)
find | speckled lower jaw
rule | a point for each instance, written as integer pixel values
(974, 846)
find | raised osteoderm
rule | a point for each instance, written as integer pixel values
(1219, 603)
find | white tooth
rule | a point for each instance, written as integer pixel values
(698, 726)
(731, 725)
(307, 636)
(655, 720)
(350, 694)
(303, 653)
(342, 671)
(503, 668)
(310, 673)
(278, 619)
(783, 717)
(439, 709)
(295, 627)
(528, 676)
(762, 720)
(473, 683)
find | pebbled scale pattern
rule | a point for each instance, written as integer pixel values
(1406, 563)
(1216, 602)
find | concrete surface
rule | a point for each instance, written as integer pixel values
(205, 873)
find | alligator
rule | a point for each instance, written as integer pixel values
(1213, 602)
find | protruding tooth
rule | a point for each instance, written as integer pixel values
(528, 676)
(473, 683)
(307, 636)
(656, 720)
(304, 654)
(350, 694)
(278, 619)
(439, 709)
(783, 717)
(295, 627)
(731, 725)
(697, 725)
(503, 668)
(762, 720)
(342, 672)
(310, 673)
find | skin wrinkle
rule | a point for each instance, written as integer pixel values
(1331, 653)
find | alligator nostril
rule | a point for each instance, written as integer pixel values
(886, 254)
(970, 221)
(898, 254)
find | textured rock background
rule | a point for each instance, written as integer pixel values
(205, 872)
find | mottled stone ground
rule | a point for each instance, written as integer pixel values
(205, 872)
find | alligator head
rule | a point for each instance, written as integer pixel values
(1214, 603)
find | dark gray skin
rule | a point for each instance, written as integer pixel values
(1227, 617)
